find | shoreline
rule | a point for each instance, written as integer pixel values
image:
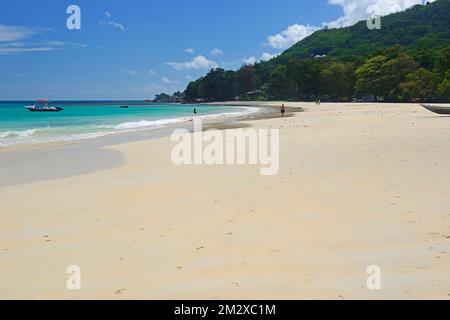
(159, 131)
(359, 185)
(27, 163)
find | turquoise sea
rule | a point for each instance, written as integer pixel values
(87, 120)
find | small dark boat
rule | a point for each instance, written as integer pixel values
(123, 107)
(42, 106)
(437, 109)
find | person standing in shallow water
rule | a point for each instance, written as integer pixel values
(195, 112)
(283, 110)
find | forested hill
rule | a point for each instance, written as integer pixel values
(408, 59)
(420, 27)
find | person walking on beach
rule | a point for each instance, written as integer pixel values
(283, 110)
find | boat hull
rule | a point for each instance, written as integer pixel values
(437, 109)
(51, 109)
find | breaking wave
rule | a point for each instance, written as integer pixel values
(76, 133)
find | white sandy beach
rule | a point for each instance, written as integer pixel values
(359, 185)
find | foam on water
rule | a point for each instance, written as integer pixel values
(91, 131)
(21, 134)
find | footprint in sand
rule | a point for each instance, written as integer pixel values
(120, 291)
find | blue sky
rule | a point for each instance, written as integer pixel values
(134, 49)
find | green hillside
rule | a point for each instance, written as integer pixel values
(420, 27)
(408, 59)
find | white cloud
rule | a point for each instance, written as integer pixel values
(10, 50)
(15, 33)
(22, 47)
(109, 22)
(217, 52)
(189, 50)
(357, 10)
(250, 60)
(131, 72)
(290, 36)
(353, 11)
(264, 57)
(14, 39)
(166, 80)
(64, 44)
(199, 62)
(267, 56)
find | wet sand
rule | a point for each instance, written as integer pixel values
(21, 164)
(359, 185)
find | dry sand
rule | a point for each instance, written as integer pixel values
(359, 185)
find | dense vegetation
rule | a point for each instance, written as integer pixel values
(177, 97)
(418, 28)
(407, 60)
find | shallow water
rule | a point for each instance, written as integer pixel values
(87, 120)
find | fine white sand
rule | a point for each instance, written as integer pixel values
(359, 185)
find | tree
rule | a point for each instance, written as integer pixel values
(357, 62)
(369, 77)
(246, 80)
(217, 85)
(304, 74)
(420, 85)
(381, 75)
(395, 72)
(444, 87)
(337, 81)
(444, 90)
(443, 62)
(191, 92)
(280, 86)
